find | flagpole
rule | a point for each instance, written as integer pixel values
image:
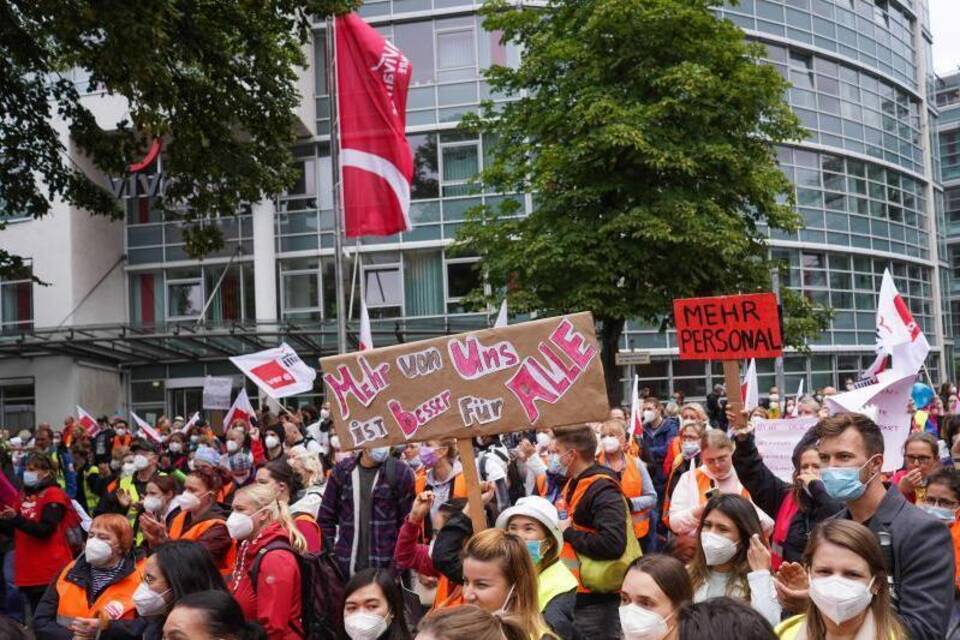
(337, 173)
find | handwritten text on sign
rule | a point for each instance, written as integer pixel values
(728, 327)
(540, 374)
(776, 440)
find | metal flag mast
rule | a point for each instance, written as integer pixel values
(337, 181)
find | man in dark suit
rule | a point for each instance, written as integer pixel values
(917, 548)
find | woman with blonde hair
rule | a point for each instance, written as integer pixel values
(498, 577)
(849, 593)
(266, 579)
(470, 622)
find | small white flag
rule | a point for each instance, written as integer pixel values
(502, 316)
(749, 394)
(146, 429)
(279, 371)
(366, 336)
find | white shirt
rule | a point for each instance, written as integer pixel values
(686, 498)
(763, 597)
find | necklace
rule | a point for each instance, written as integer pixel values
(242, 562)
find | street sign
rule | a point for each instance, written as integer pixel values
(626, 358)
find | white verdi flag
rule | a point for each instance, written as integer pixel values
(241, 410)
(885, 402)
(501, 316)
(749, 393)
(365, 342)
(279, 372)
(796, 403)
(145, 428)
(898, 333)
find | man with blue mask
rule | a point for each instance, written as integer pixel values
(917, 548)
(368, 495)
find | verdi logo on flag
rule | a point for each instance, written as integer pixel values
(377, 164)
(278, 372)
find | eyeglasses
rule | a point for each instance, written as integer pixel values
(938, 502)
(919, 459)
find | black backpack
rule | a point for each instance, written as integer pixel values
(321, 591)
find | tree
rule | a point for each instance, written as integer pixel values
(646, 130)
(215, 80)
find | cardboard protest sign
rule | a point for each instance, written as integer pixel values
(776, 440)
(728, 327)
(540, 374)
(886, 402)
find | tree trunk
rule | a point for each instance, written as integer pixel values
(610, 331)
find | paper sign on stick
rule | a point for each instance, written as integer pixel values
(728, 327)
(216, 392)
(776, 440)
(886, 403)
(541, 374)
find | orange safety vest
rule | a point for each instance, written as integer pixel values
(224, 493)
(567, 553)
(631, 481)
(114, 603)
(448, 594)
(704, 484)
(459, 486)
(542, 485)
(177, 532)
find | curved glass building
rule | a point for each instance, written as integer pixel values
(866, 181)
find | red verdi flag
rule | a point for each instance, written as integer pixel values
(376, 162)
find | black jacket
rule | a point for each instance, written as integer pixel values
(923, 567)
(768, 492)
(602, 508)
(45, 619)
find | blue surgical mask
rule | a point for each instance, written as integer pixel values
(535, 547)
(554, 465)
(379, 454)
(31, 478)
(843, 483)
(940, 513)
(690, 449)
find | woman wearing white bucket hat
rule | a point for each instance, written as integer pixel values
(535, 520)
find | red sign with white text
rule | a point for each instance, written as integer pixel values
(728, 327)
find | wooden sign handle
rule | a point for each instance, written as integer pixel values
(731, 378)
(475, 501)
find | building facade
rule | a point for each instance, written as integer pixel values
(131, 322)
(948, 103)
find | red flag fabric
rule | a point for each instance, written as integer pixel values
(145, 429)
(375, 159)
(88, 422)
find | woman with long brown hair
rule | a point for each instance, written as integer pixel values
(732, 558)
(468, 622)
(498, 577)
(849, 594)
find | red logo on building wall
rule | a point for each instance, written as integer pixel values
(273, 374)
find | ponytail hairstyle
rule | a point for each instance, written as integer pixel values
(470, 621)
(282, 473)
(221, 615)
(265, 498)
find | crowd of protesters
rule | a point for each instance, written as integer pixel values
(664, 525)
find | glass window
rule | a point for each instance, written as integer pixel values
(16, 303)
(17, 403)
(301, 291)
(383, 286)
(423, 283)
(185, 298)
(461, 163)
(456, 54)
(462, 278)
(426, 178)
(415, 39)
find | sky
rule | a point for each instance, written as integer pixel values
(945, 25)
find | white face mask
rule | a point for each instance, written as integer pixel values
(272, 442)
(649, 415)
(232, 446)
(152, 504)
(839, 598)
(324, 414)
(610, 444)
(176, 447)
(121, 432)
(189, 501)
(148, 602)
(97, 552)
(717, 549)
(638, 623)
(240, 525)
(128, 469)
(364, 625)
(140, 462)
(31, 478)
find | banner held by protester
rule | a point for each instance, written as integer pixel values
(216, 392)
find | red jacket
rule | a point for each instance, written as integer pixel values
(275, 603)
(40, 559)
(408, 554)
